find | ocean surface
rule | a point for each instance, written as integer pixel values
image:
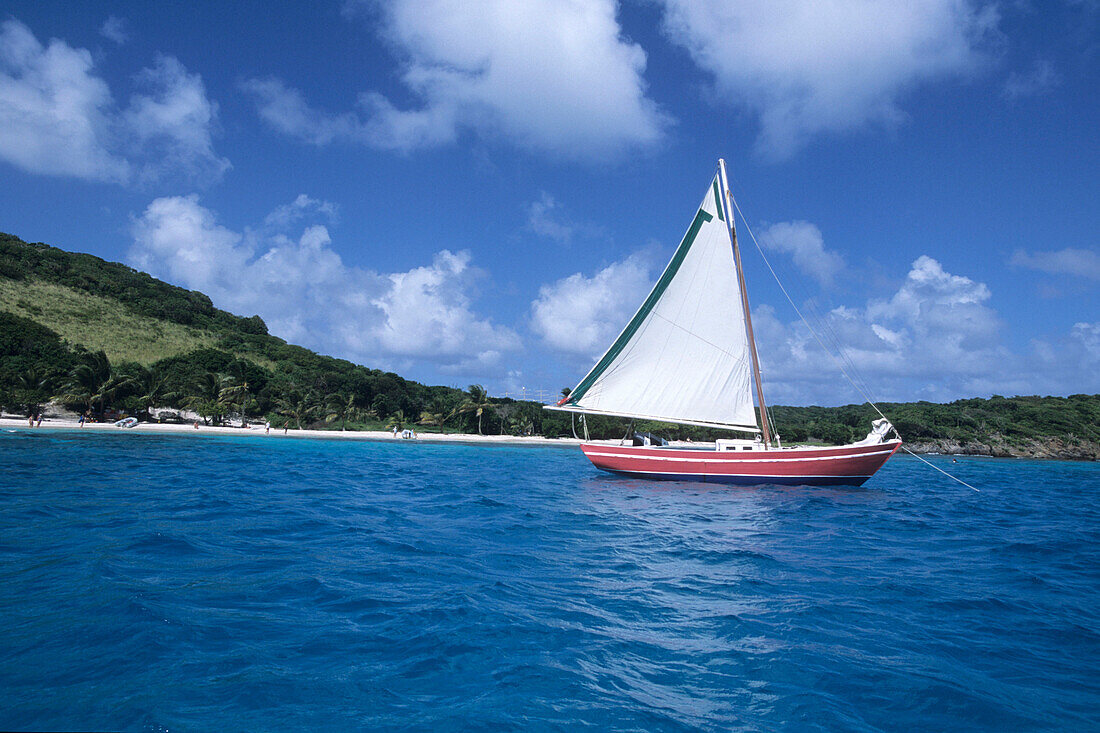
(170, 583)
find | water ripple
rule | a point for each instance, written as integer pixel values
(169, 583)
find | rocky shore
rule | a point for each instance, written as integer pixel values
(1070, 448)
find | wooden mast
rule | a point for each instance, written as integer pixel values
(745, 306)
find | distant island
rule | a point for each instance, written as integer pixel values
(100, 338)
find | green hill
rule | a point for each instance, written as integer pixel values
(138, 342)
(59, 308)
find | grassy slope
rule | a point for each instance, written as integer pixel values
(95, 322)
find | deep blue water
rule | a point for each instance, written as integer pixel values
(176, 583)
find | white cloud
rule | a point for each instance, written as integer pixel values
(284, 216)
(1039, 79)
(1088, 335)
(306, 293)
(539, 73)
(287, 111)
(114, 29)
(935, 338)
(1069, 261)
(811, 68)
(173, 125)
(1067, 363)
(427, 314)
(57, 117)
(582, 315)
(806, 247)
(541, 219)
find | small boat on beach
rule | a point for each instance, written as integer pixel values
(688, 356)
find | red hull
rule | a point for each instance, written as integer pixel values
(847, 465)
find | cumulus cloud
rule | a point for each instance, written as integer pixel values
(803, 242)
(582, 315)
(811, 68)
(538, 73)
(306, 294)
(1068, 363)
(1069, 261)
(58, 117)
(936, 337)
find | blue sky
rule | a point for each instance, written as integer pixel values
(484, 192)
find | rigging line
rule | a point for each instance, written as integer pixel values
(945, 473)
(827, 332)
(790, 300)
(831, 335)
(832, 356)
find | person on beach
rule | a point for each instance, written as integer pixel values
(286, 427)
(267, 428)
(196, 425)
(30, 420)
(81, 421)
(39, 423)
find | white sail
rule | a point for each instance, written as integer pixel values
(684, 357)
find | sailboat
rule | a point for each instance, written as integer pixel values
(688, 356)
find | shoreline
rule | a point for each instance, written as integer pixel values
(1047, 449)
(149, 428)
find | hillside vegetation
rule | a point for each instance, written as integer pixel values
(100, 323)
(103, 338)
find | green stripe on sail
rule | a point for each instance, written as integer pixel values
(670, 272)
(718, 201)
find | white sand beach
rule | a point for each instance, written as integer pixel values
(259, 432)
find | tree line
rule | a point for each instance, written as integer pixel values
(250, 374)
(37, 367)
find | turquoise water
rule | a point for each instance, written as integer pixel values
(182, 583)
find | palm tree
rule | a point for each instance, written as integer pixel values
(477, 401)
(152, 387)
(115, 386)
(34, 387)
(427, 417)
(397, 419)
(342, 407)
(87, 380)
(437, 414)
(206, 396)
(297, 406)
(236, 393)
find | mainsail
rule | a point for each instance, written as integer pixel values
(684, 357)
